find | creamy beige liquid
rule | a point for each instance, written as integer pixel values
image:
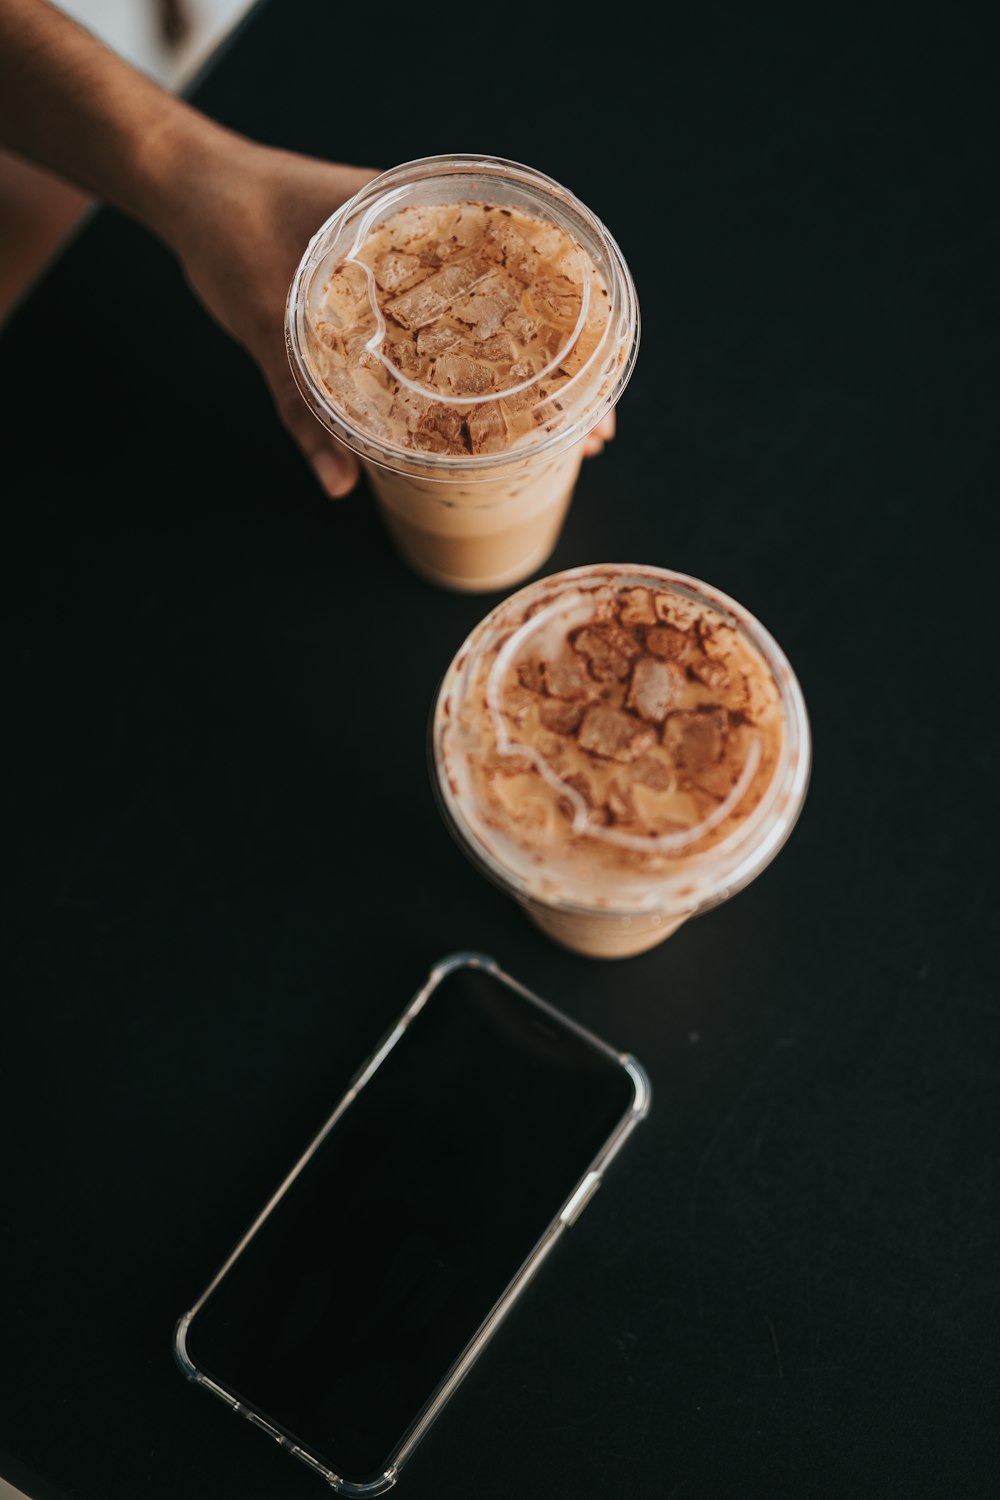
(599, 746)
(462, 332)
(483, 535)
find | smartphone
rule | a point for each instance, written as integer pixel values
(364, 1290)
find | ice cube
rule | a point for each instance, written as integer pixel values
(637, 608)
(710, 671)
(408, 410)
(487, 428)
(505, 244)
(470, 225)
(493, 299)
(483, 312)
(619, 803)
(442, 430)
(417, 222)
(345, 297)
(355, 342)
(551, 341)
(655, 687)
(520, 326)
(462, 376)
(696, 740)
(612, 734)
(520, 371)
(667, 642)
(664, 609)
(558, 715)
(372, 391)
(499, 348)
(408, 359)
(565, 678)
(427, 301)
(516, 703)
(550, 241)
(556, 299)
(575, 358)
(609, 651)
(649, 770)
(438, 339)
(396, 271)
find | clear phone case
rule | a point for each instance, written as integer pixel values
(567, 1213)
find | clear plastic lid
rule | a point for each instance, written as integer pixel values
(623, 739)
(461, 312)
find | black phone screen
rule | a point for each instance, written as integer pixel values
(357, 1294)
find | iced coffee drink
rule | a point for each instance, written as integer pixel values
(462, 324)
(620, 747)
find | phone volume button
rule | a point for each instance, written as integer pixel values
(574, 1208)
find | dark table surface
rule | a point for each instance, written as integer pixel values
(225, 891)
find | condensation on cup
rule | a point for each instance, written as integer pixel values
(462, 324)
(619, 748)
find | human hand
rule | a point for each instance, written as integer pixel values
(238, 215)
(594, 442)
(239, 230)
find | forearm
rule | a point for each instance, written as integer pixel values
(69, 104)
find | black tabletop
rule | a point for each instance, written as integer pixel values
(232, 874)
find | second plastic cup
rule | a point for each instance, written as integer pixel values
(462, 324)
(619, 748)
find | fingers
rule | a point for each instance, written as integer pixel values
(335, 466)
(594, 442)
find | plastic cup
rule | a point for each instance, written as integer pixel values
(479, 520)
(661, 787)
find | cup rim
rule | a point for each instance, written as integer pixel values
(723, 869)
(447, 467)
